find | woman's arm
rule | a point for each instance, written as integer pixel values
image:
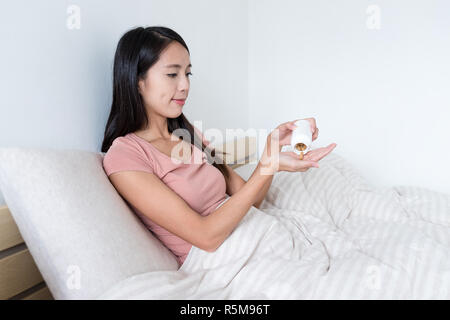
(235, 182)
(263, 192)
(221, 222)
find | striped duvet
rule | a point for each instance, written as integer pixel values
(322, 234)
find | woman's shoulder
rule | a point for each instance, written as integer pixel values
(124, 144)
(125, 151)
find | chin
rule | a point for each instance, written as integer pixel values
(175, 115)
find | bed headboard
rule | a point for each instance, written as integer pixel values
(20, 277)
(241, 151)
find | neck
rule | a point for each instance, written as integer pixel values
(157, 128)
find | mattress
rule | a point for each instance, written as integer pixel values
(326, 233)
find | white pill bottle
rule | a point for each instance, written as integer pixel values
(301, 138)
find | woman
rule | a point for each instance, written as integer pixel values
(181, 202)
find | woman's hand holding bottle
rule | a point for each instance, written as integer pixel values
(273, 160)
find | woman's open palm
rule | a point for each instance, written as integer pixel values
(290, 161)
(319, 153)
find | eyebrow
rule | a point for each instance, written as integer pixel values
(177, 66)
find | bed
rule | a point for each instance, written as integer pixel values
(326, 233)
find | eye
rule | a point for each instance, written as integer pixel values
(173, 75)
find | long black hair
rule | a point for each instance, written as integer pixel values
(138, 49)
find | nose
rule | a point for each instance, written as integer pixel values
(183, 84)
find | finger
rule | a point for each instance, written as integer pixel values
(331, 146)
(318, 154)
(292, 125)
(315, 134)
(312, 123)
(287, 125)
(321, 152)
(326, 151)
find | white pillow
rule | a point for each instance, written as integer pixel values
(82, 235)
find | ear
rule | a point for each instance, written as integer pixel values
(141, 85)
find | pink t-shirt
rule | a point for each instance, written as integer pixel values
(199, 183)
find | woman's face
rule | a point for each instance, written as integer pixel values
(166, 80)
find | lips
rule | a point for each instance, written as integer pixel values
(179, 101)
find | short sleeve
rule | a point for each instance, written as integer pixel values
(122, 156)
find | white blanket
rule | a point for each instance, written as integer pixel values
(322, 234)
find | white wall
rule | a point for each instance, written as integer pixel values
(370, 90)
(382, 95)
(56, 82)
